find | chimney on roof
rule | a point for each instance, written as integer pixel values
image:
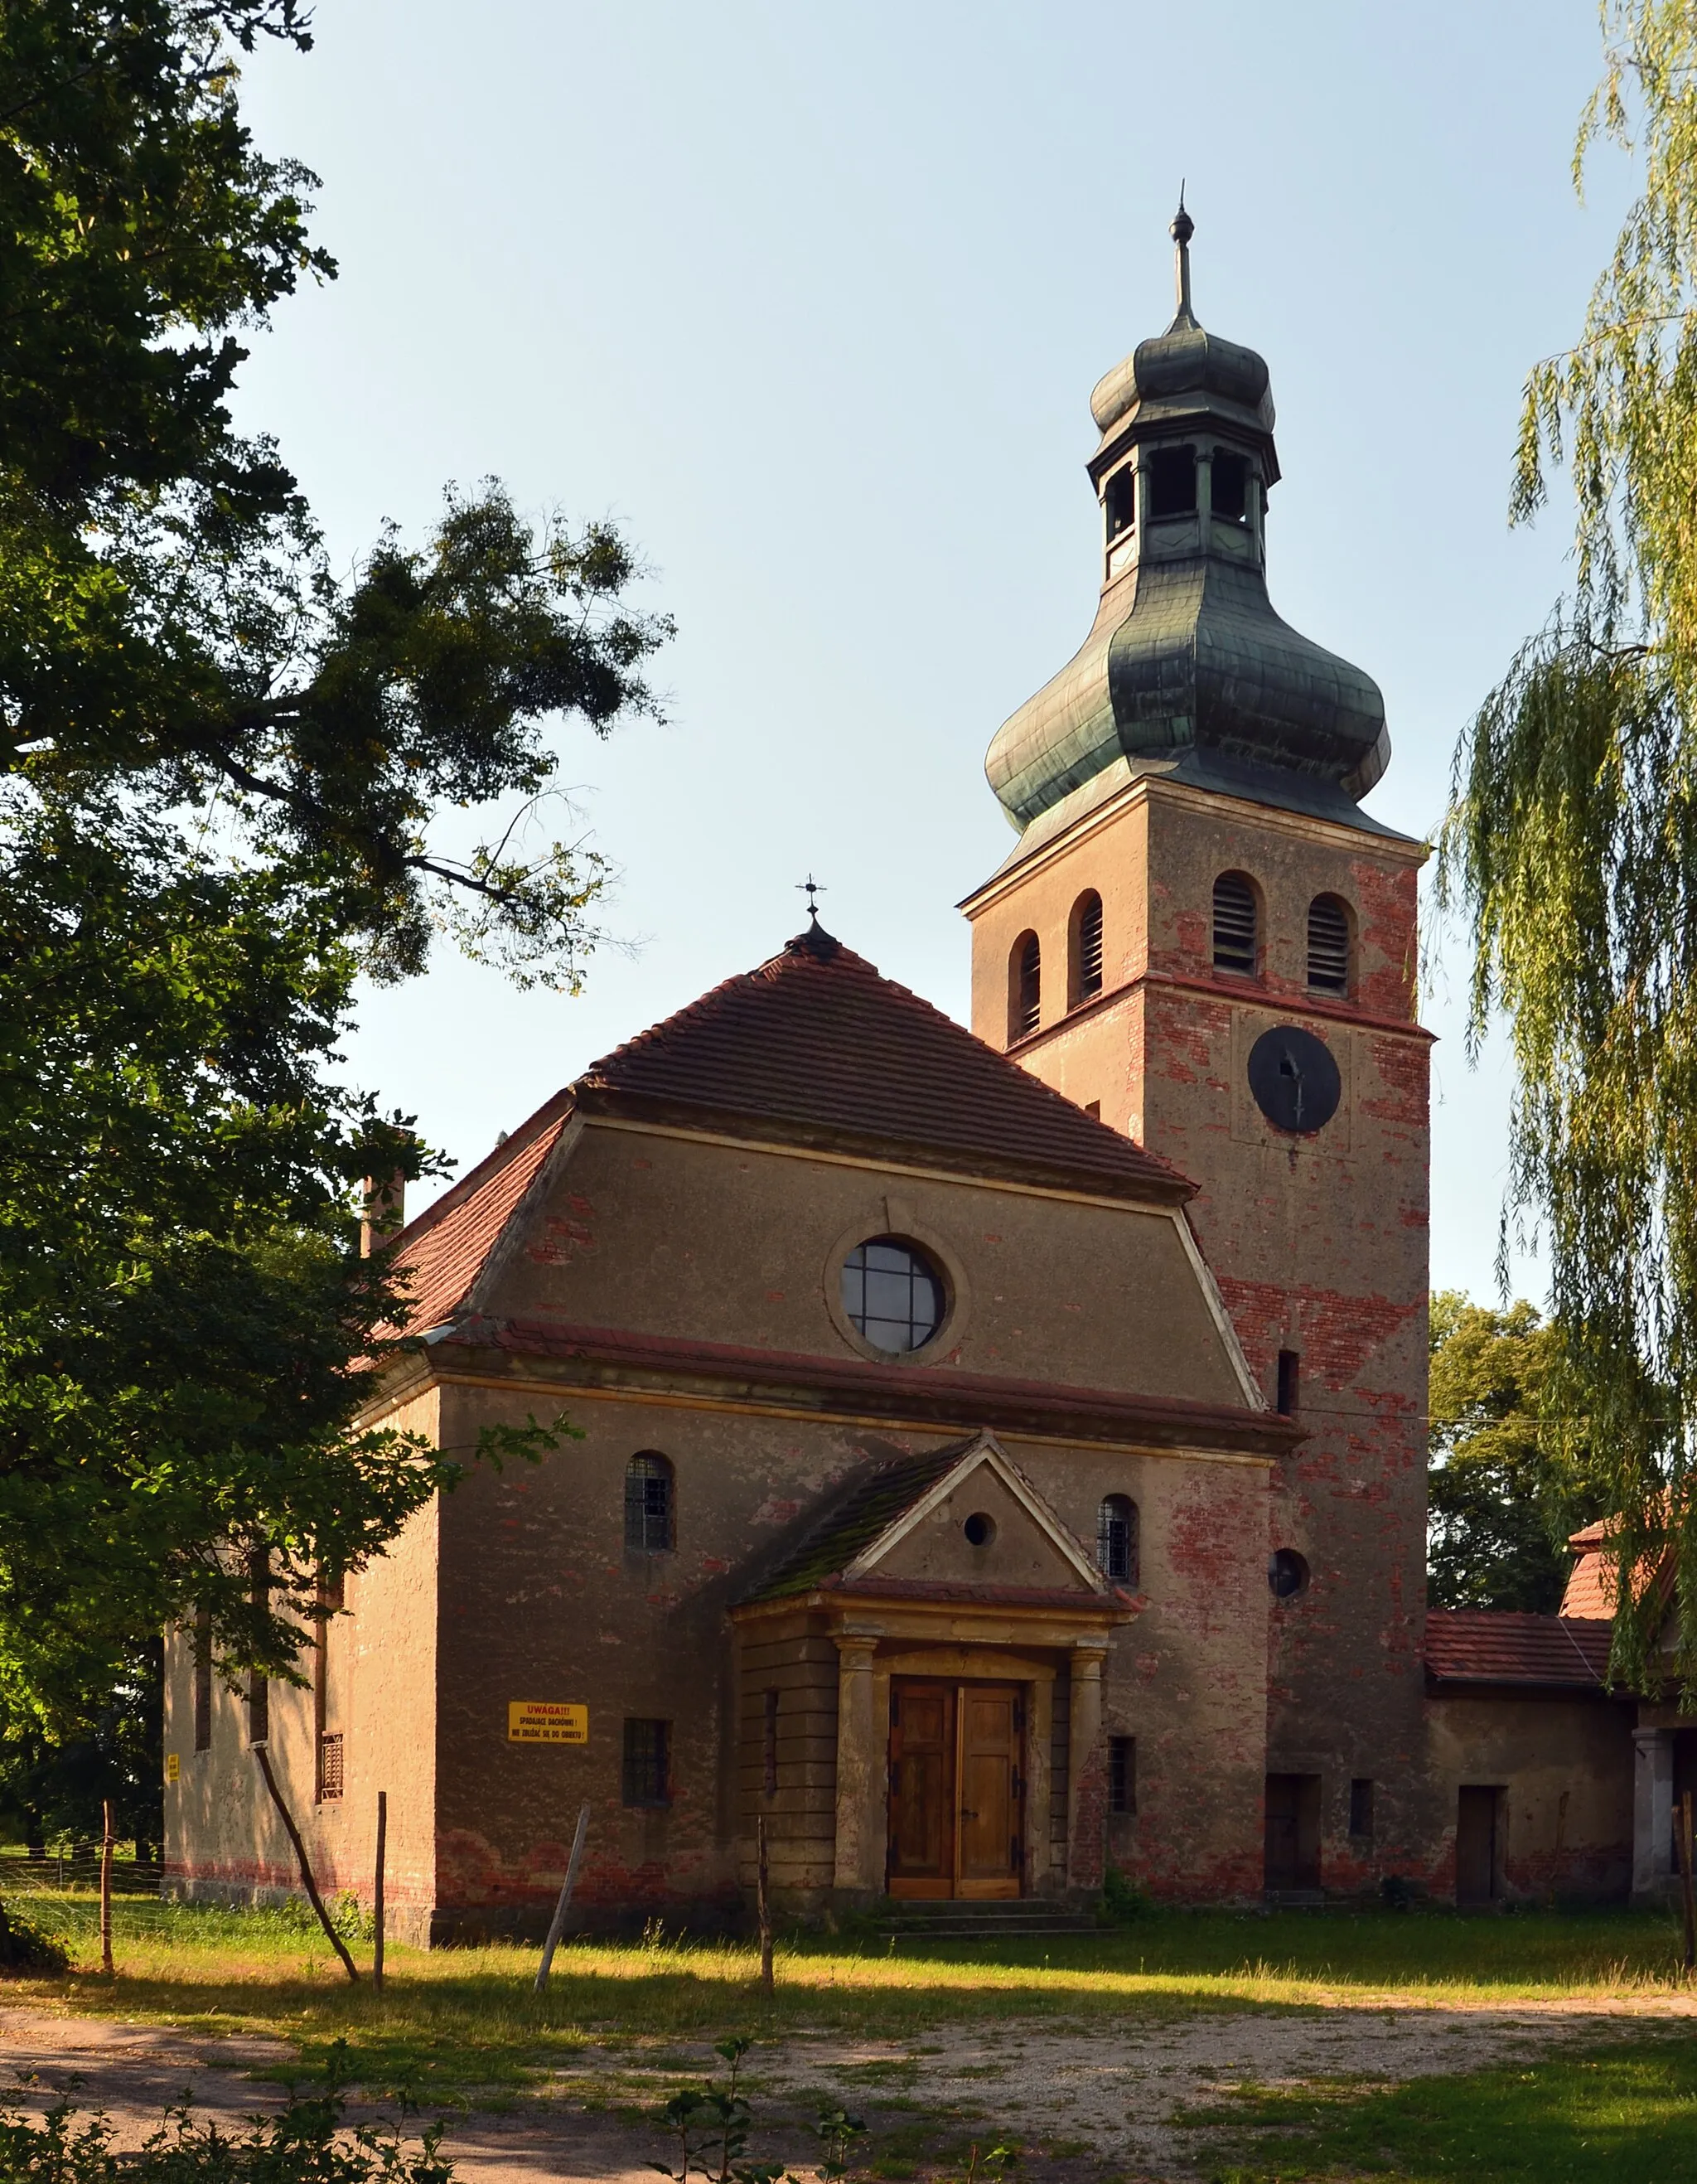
(383, 1212)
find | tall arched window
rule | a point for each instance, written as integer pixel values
(1025, 987)
(1117, 1538)
(1236, 937)
(1086, 947)
(1329, 944)
(650, 1504)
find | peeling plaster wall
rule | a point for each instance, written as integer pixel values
(1565, 1764)
(541, 1601)
(731, 1244)
(223, 1837)
(1319, 1244)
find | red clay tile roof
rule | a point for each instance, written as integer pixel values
(816, 1044)
(445, 1249)
(1591, 1583)
(1489, 1645)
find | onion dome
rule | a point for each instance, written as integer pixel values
(1188, 671)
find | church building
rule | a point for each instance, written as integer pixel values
(1001, 1454)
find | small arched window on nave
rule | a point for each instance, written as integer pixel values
(650, 1504)
(1117, 1538)
(1086, 981)
(1025, 988)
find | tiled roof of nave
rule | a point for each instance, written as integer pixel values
(818, 1038)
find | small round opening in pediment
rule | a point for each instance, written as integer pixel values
(1286, 1574)
(980, 1529)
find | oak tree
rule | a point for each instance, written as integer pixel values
(223, 769)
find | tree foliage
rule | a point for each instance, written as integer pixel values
(224, 772)
(1571, 843)
(1506, 1487)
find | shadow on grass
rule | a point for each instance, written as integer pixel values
(466, 2020)
(1629, 2110)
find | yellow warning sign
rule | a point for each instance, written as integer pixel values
(171, 1767)
(540, 1721)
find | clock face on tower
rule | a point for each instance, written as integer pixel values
(1295, 1077)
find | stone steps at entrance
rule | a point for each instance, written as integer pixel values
(955, 1920)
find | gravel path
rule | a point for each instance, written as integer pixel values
(1094, 2094)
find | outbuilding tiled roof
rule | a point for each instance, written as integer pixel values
(817, 1044)
(1490, 1646)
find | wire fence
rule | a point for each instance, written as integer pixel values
(74, 1871)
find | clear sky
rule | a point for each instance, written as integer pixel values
(811, 301)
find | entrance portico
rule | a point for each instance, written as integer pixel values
(965, 1759)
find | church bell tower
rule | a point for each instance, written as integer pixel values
(1201, 937)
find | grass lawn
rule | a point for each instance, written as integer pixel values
(466, 2020)
(1627, 2111)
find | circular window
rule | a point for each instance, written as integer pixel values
(979, 1528)
(1287, 1573)
(893, 1294)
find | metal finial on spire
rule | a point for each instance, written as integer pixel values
(810, 887)
(1183, 227)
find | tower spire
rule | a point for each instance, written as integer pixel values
(1183, 227)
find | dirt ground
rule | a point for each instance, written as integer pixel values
(1083, 2101)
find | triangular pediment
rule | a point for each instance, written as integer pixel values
(979, 1522)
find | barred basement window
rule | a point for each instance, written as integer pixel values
(1236, 941)
(1123, 1774)
(769, 1749)
(648, 1762)
(1086, 947)
(1025, 987)
(202, 1681)
(329, 1767)
(650, 1504)
(1117, 1538)
(1329, 944)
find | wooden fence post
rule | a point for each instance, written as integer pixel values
(557, 1925)
(377, 1905)
(306, 1881)
(763, 1903)
(106, 1887)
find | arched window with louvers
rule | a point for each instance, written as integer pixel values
(1236, 925)
(1329, 944)
(1084, 980)
(1025, 988)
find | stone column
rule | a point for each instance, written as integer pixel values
(1039, 1746)
(862, 1770)
(1086, 1773)
(1652, 1813)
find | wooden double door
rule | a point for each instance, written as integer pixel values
(957, 1788)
